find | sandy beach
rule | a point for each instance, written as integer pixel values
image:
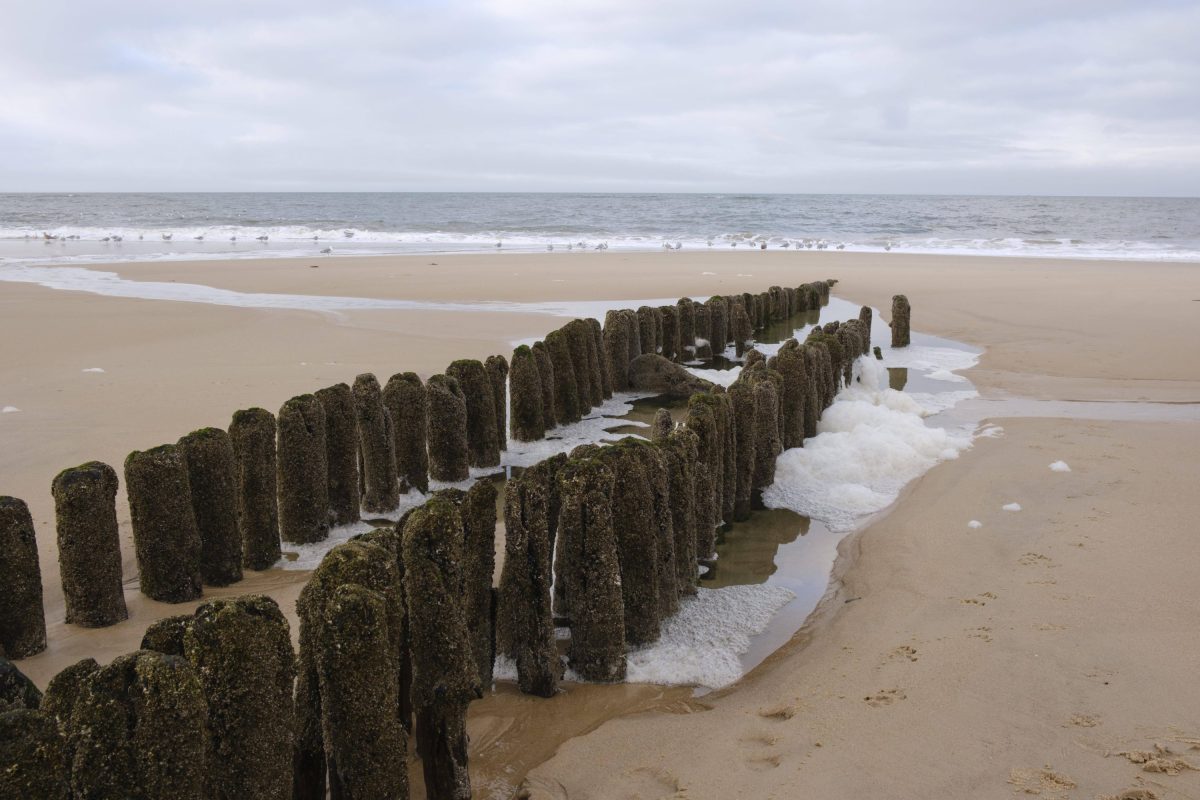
(1048, 652)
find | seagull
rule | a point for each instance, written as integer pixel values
(139, 237)
(327, 251)
(349, 234)
(117, 237)
(679, 245)
(47, 236)
(199, 238)
(106, 239)
(262, 238)
(666, 246)
(710, 242)
(786, 245)
(315, 237)
(167, 237)
(570, 246)
(762, 246)
(233, 238)
(888, 247)
(550, 248)
(841, 247)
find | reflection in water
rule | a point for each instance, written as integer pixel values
(897, 378)
(746, 551)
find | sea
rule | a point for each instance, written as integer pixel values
(65, 228)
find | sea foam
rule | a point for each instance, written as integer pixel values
(869, 444)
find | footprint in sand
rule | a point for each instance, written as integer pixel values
(885, 697)
(1083, 721)
(1034, 560)
(778, 713)
(1044, 782)
(903, 653)
(1161, 760)
(1131, 794)
(983, 632)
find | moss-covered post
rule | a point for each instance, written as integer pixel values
(681, 450)
(406, 400)
(477, 508)
(341, 453)
(483, 439)
(448, 452)
(637, 540)
(662, 426)
(616, 347)
(742, 329)
(603, 370)
(686, 311)
(497, 372)
(89, 545)
(252, 433)
(866, 314)
(302, 471)
(901, 314)
(445, 679)
(766, 426)
(165, 538)
(524, 623)
(241, 652)
(670, 332)
(212, 481)
(577, 337)
(22, 616)
(727, 425)
(745, 413)
(633, 333)
(376, 446)
(528, 422)
(596, 651)
(167, 635)
(566, 388)
(702, 421)
(541, 355)
(140, 730)
(657, 471)
(365, 744)
(371, 564)
(34, 761)
(647, 330)
(718, 313)
(790, 364)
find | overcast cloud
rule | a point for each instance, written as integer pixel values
(1070, 97)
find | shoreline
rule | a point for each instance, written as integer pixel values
(1028, 344)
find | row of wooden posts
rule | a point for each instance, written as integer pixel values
(404, 620)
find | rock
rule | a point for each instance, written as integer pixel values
(168, 635)
(653, 373)
(16, 690)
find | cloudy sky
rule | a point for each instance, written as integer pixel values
(1052, 96)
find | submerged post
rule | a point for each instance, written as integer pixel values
(901, 312)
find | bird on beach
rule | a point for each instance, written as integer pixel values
(888, 247)
(106, 239)
(762, 246)
(570, 246)
(233, 238)
(199, 238)
(710, 242)
(349, 234)
(327, 251)
(841, 247)
(679, 245)
(48, 237)
(262, 238)
(550, 248)
(118, 238)
(167, 237)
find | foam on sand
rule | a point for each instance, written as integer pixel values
(1011, 507)
(9, 410)
(703, 643)
(1059, 466)
(869, 444)
(974, 524)
(93, 369)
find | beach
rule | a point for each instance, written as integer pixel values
(1048, 651)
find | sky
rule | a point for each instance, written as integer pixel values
(925, 96)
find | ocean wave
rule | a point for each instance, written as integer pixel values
(69, 243)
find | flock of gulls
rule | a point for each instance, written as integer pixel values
(755, 243)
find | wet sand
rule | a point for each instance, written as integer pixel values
(1058, 330)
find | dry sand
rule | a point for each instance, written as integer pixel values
(1000, 686)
